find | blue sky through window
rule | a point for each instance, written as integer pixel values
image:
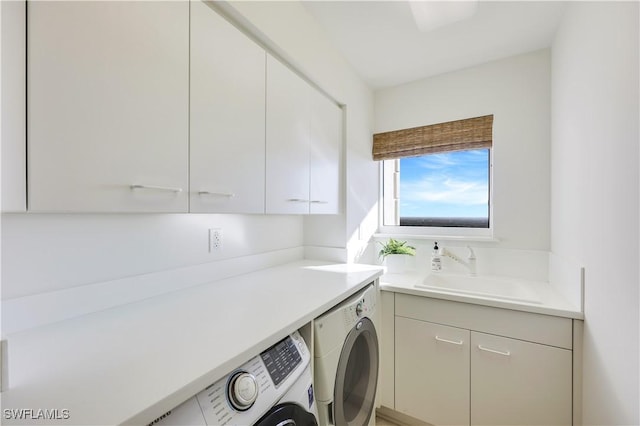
(450, 185)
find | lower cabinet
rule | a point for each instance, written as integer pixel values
(519, 383)
(432, 372)
(447, 375)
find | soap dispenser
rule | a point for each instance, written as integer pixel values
(436, 260)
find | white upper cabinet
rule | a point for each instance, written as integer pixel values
(167, 107)
(288, 133)
(227, 137)
(108, 106)
(304, 131)
(325, 155)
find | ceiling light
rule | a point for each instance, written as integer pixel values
(430, 15)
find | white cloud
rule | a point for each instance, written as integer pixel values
(437, 161)
(445, 190)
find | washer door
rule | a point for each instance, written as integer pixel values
(356, 376)
(288, 414)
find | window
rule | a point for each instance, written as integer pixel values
(449, 189)
(437, 178)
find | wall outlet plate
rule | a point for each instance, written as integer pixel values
(215, 239)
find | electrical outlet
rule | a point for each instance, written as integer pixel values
(215, 239)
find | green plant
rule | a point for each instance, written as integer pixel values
(396, 247)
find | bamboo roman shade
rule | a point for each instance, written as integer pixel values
(470, 133)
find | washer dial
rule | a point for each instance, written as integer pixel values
(242, 390)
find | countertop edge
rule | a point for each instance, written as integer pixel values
(478, 300)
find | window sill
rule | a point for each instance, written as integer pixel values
(471, 238)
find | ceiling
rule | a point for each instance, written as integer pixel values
(382, 42)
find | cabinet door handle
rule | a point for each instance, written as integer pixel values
(319, 202)
(453, 342)
(298, 200)
(494, 351)
(155, 188)
(218, 194)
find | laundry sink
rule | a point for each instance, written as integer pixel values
(495, 287)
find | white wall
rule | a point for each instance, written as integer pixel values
(48, 252)
(516, 91)
(595, 194)
(45, 252)
(13, 106)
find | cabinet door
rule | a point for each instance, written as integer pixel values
(325, 159)
(432, 372)
(287, 173)
(227, 125)
(108, 106)
(519, 383)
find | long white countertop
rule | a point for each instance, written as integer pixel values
(132, 363)
(550, 301)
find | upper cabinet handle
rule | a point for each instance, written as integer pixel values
(319, 202)
(453, 342)
(156, 188)
(298, 200)
(494, 351)
(219, 194)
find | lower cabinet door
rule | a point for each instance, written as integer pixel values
(514, 382)
(432, 372)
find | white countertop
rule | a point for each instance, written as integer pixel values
(132, 363)
(551, 302)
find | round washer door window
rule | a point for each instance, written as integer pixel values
(288, 414)
(356, 376)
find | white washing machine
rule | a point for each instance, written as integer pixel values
(274, 388)
(347, 361)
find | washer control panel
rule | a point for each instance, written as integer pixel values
(360, 306)
(281, 359)
(247, 393)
